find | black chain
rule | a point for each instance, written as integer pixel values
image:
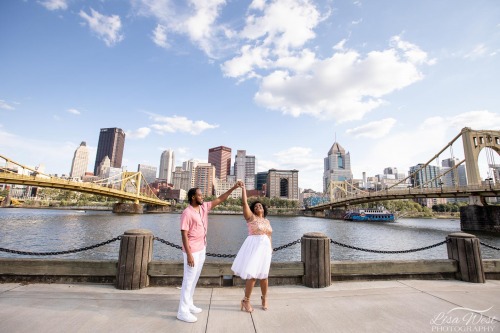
(490, 246)
(168, 243)
(25, 253)
(218, 255)
(388, 252)
(286, 245)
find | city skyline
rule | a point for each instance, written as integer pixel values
(282, 80)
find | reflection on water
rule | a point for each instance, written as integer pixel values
(40, 230)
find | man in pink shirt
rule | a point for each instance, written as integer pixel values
(194, 222)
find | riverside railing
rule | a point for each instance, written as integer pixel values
(135, 267)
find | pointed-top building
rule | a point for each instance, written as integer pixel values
(80, 161)
(337, 165)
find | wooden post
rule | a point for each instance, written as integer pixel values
(466, 250)
(315, 253)
(136, 251)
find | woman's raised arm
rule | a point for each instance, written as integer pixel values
(247, 213)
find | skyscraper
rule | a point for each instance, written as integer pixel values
(244, 168)
(204, 178)
(337, 166)
(167, 165)
(80, 161)
(191, 167)
(424, 176)
(111, 144)
(220, 158)
(148, 172)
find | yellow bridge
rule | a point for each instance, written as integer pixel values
(129, 185)
(342, 194)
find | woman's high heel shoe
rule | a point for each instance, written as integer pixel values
(264, 302)
(245, 305)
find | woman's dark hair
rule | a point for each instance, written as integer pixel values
(252, 206)
(191, 194)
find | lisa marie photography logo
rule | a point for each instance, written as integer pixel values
(463, 320)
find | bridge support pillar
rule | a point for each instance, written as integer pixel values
(480, 218)
(127, 208)
(136, 251)
(466, 250)
(315, 254)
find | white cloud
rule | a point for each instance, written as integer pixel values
(198, 20)
(139, 133)
(107, 28)
(374, 129)
(479, 51)
(160, 36)
(180, 124)
(283, 24)
(345, 86)
(74, 111)
(5, 106)
(477, 120)
(54, 4)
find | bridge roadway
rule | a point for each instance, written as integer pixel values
(53, 182)
(489, 190)
(355, 306)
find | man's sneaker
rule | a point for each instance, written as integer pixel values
(195, 309)
(187, 317)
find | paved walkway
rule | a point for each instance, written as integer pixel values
(374, 306)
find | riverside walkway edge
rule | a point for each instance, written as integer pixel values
(354, 306)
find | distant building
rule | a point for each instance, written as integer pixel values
(191, 167)
(167, 165)
(244, 168)
(111, 144)
(80, 161)
(220, 158)
(102, 169)
(205, 178)
(455, 177)
(283, 184)
(181, 179)
(148, 172)
(260, 180)
(223, 186)
(424, 177)
(167, 193)
(337, 166)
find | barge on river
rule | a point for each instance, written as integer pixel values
(370, 215)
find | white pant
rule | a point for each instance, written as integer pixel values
(189, 280)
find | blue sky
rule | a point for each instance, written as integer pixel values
(392, 81)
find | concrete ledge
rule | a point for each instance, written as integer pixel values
(57, 267)
(164, 273)
(393, 269)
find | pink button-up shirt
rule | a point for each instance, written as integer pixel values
(196, 225)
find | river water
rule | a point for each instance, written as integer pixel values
(50, 230)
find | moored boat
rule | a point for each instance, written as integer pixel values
(375, 215)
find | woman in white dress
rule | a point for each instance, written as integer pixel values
(254, 257)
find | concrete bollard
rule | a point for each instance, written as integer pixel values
(315, 254)
(466, 250)
(136, 251)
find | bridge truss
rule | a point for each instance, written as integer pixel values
(130, 186)
(345, 193)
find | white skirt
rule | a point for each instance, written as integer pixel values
(254, 258)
